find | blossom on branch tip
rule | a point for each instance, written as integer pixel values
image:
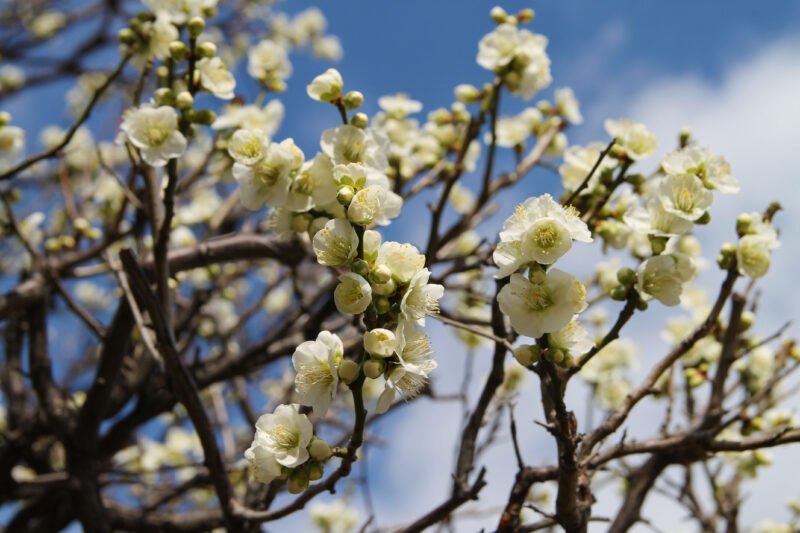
(336, 244)
(316, 363)
(154, 131)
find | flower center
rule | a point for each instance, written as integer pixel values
(537, 298)
(310, 376)
(156, 136)
(283, 437)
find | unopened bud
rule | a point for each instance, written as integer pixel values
(381, 274)
(527, 354)
(5, 118)
(626, 276)
(382, 305)
(619, 294)
(297, 481)
(360, 120)
(184, 100)
(206, 117)
(353, 100)
(556, 356)
(177, 50)
(374, 368)
(345, 195)
(315, 471)
(498, 14)
(348, 371)
(319, 449)
(195, 26)
(384, 289)
(469, 94)
(126, 36)
(207, 49)
(301, 221)
(743, 222)
(164, 96)
(537, 274)
(705, 218)
(361, 268)
(526, 15)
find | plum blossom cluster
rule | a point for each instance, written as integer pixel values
(336, 198)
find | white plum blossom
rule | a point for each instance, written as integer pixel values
(712, 169)
(540, 230)
(662, 277)
(568, 105)
(314, 186)
(262, 459)
(379, 342)
(409, 377)
(655, 220)
(572, 338)
(578, 162)
(374, 204)
(326, 87)
(404, 260)
(336, 244)
(497, 49)
(510, 47)
(252, 117)
(247, 146)
(267, 181)
(349, 144)
(353, 294)
(285, 433)
(216, 78)
(154, 131)
(685, 196)
(633, 137)
(333, 517)
(12, 141)
(179, 11)
(268, 59)
(539, 308)
(752, 255)
(399, 105)
(421, 299)
(316, 364)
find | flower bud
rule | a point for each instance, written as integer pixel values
(526, 15)
(694, 377)
(297, 481)
(380, 274)
(619, 294)
(641, 305)
(145, 16)
(527, 354)
(374, 368)
(556, 356)
(327, 87)
(52, 244)
(705, 218)
(382, 305)
(498, 14)
(658, 244)
(348, 371)
(319, 449)
(746, 320)
(353, 100)
(626, 276)
(345, 195)
(195, 26)
(359, 120)
(379, 342)
(466, 93)
(162, 72)
(384, 289)
(164, 96)
(206, 117)
(537, 274)
(126, 36)
(743, 222)
(207, 49)
(315, 471)
(177, 50)
(184, 100)
(5, 118)
(361, 268)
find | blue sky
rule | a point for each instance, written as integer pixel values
(730, 69)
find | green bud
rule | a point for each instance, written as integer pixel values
(67, 241)
(135, 25)
(126, 36)
(206, 117)
(635, 179)
(498, 14)
(348, 371)
(619, 294)
(694, 377)
(382, 305)
(556, 356)
(728, 248)
(315, 471)
(526, 15)
(743, 222)
(658, 244)
(195, 26)
(746, 320)
(5, 118)
(353, 100)
(207, 49)
(641, 305)
(361, 268)
(374, 368)
(319, 449)
(380, 274)
(537, 274)
(53, 244)
(184, 100)
(177, 50)
(724, 261)
(384, 289)
(145, 16)
(527, 354)
(345, 195)
(360, 120)
(297, 481)
(468, 94)
(164, 96)
(626, 276)
(162, 72)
